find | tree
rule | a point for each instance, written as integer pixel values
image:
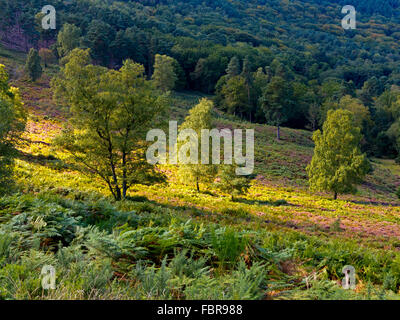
(68, 39)
(276, 102)
(337, 163)
(32, 66)
(260, 81)
(99, 38)
(360, 112)
(164, 73)
(47, 56)
(246, 74)
(313, 115)
(233, 68)
(235, 98)
(370, 90)
(393, 134)
(230, 183)
(111, 111)
(332, 90)
(199, 118)
(180, 82)
(12, 124)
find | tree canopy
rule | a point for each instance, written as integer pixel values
(337, 164)
(111, 110)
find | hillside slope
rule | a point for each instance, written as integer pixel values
(292, 243)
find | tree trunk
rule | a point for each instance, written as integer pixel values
(248, 99)
(335, 196)
(117, 195)
(124, 190)
(278, 133)
(197, 185)
(124, 176)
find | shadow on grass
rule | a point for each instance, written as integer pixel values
(276, 203)
(375, 203)
(144, 205)
(47, 161)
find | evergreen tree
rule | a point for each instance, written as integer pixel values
(337, 163)
(233, 68)
(33, 66)
(99, 39)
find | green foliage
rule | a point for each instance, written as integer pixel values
(164, 74)
(276, 102)
(235, 96)
(163, 255)
(110, 114)
(168, 242)
(99, 39)
(233, 68)
(337, 163)
(360, 113)
(231, 183)
(199, 118)
(227, 246)
(68, 39)
(12, 124)
(42, 225)
(33, 67)
(251, 282)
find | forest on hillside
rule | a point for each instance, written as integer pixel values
(264, 42)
